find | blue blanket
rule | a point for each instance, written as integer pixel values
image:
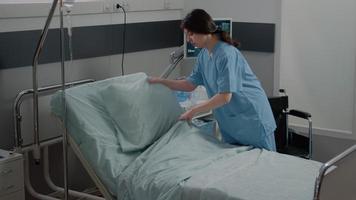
(187, 164)
(183, 163)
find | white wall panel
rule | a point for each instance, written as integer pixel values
(40, 8)
(318, 61)
(174, 4)
(36, 23)
(266, 11)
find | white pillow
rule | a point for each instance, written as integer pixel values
(142, 112)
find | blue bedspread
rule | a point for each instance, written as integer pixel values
(186, 164)
(183, 163)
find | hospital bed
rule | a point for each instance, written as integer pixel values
(179, 163)
(183, 162)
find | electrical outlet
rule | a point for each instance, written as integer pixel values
(123, 3)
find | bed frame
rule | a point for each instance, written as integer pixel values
(20, 148)
(107, 195)
(35, 147)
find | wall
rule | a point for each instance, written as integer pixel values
(265, 65)
(318, 59)
(14, 80)
(314, 59)
(27, 17)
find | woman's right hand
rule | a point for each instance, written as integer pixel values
(153, 80)
(182, 85)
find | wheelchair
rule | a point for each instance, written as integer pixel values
(288, 140)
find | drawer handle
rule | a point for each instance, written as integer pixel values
(9, 187)
(4, 172)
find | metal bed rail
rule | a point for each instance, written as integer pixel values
(174, 59)
(35, 81)
(326, 166)
(45, 144)
(36, 150)
(17, 117)
(21, 148)
(104, 191)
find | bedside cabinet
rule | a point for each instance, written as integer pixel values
(11, 176)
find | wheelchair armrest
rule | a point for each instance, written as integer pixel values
(300, 114)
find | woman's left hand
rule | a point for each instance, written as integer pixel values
(188, 115)
(154, 80)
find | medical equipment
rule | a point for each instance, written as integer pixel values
(90, 168)
(287, 141)
(189, 99)
(35, 81)
(95, 131)
(25, 149)
(207, 125)
(174, 58)
(99, 177)
(190, 51)
(11, 174)
(69, 5)
(199, 95)
(331, 166)
(79, 96)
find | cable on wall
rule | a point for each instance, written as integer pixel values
(118, 6)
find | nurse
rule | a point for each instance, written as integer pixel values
(236, 97)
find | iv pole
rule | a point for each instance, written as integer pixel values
(65, 139)
(37, 152)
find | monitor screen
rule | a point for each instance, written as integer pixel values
(191, 51)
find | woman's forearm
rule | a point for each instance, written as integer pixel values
(215, 102)
(182, 85)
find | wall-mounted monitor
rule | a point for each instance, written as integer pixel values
(191, 51)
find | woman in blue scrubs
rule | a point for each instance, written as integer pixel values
(236, 97)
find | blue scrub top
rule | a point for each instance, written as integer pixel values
(247, 119)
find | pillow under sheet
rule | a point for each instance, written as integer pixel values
(142, 112)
